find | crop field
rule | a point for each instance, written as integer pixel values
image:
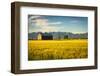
(57, 49)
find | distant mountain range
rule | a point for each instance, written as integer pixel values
(58, 35)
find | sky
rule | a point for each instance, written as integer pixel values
(47, 23)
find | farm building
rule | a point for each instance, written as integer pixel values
(39, 36)
(47, 37)
(56, 36)
(44, 36)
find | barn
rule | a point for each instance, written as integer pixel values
(44, 36)
(55, 36)
(39, 36)
(47, 37)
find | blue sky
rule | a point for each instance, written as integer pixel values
(43, 23)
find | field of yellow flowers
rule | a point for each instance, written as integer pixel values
(57, 49)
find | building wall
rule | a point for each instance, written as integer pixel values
(47, 37)
(39, 36)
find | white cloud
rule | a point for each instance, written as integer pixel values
(42, 24)
(55, 23)
(46, 29)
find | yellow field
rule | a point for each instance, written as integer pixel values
(57, 49)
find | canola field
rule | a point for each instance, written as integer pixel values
(57, 49)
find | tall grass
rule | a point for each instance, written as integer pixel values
(57, 49)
